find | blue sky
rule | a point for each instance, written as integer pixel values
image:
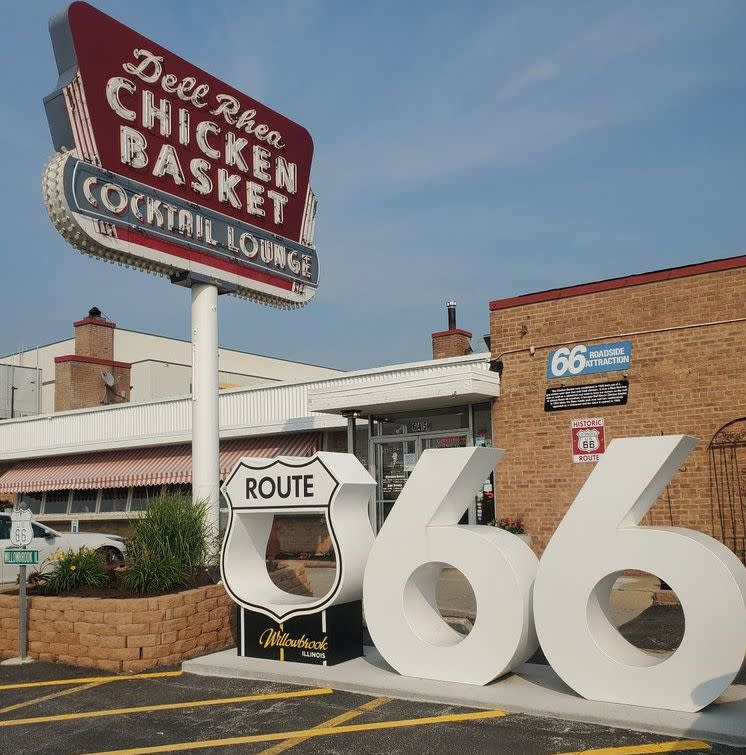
(463, 150)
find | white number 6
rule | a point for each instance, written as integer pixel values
(596, 541)
(419, 538)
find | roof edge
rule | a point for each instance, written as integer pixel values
(611, 284)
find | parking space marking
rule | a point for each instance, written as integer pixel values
(86, 679)
(678, 745)
(165, 706)
(336, 721)
(309, 733)
(50, 696)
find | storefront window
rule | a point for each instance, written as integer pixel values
(485, 500)
(142, 495)
(56, 502)
(83, 502)
(483, 425)
(114, 499)
(434, 420)
(361, 444)
(32, 500)
(185, 490)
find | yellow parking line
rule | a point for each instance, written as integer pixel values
(673, 746)
(51, 696)
(165, 706)
(336, 721)
(86, 679)
(308, 733)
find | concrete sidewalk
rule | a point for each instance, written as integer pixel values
(532, 689)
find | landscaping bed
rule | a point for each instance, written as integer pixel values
(121, 634)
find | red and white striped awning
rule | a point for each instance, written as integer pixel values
(158, 465)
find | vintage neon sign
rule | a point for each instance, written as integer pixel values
(228, 176)
(562, 600)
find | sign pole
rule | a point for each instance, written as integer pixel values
(21, 534)
(22, 615)
(205, 416)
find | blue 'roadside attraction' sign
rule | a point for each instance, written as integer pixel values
(586, 359)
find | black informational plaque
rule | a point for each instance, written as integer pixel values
(613, 393)
(325, 638)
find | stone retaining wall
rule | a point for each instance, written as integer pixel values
(121, 634)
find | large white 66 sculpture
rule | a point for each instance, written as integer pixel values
(419, 538)
(598, 539)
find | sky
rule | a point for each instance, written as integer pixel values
(463, 150)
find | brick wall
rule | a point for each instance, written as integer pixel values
(94, 337)
(451, 343)
(78, 384)
(302, 534)
(123, 634)
(682, 380)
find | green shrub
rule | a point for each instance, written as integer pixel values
(150, 573)
(73, 569)
(169, 546)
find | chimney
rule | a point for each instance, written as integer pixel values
(90, 376)
(453, 342)
(94, 336)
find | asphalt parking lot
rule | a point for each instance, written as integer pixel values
(53, 709)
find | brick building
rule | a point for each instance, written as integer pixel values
(687, 374)
(684, 329)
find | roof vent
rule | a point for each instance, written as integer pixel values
(451, 314)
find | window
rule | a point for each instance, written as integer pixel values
(38, 531)
(4, 528)
(83, 502)
(185, 490)
(434, 420)
(482, 425)
(56, 502)
(114, 499)
(33, 500)
(142, 495)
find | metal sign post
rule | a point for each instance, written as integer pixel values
(22, 615)
(205, 419)
(21, 535)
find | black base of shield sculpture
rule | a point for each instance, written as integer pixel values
(325, 638)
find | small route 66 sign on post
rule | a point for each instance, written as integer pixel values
(21, 531)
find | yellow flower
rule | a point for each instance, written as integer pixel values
(73, 567)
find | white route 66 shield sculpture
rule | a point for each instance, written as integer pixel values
(332, 484)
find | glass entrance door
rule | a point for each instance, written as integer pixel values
(395, 460)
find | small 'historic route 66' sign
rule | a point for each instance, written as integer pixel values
(588, 439)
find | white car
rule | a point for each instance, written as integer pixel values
(47, 541)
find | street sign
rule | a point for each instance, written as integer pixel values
(18, 556)
(21, 531)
